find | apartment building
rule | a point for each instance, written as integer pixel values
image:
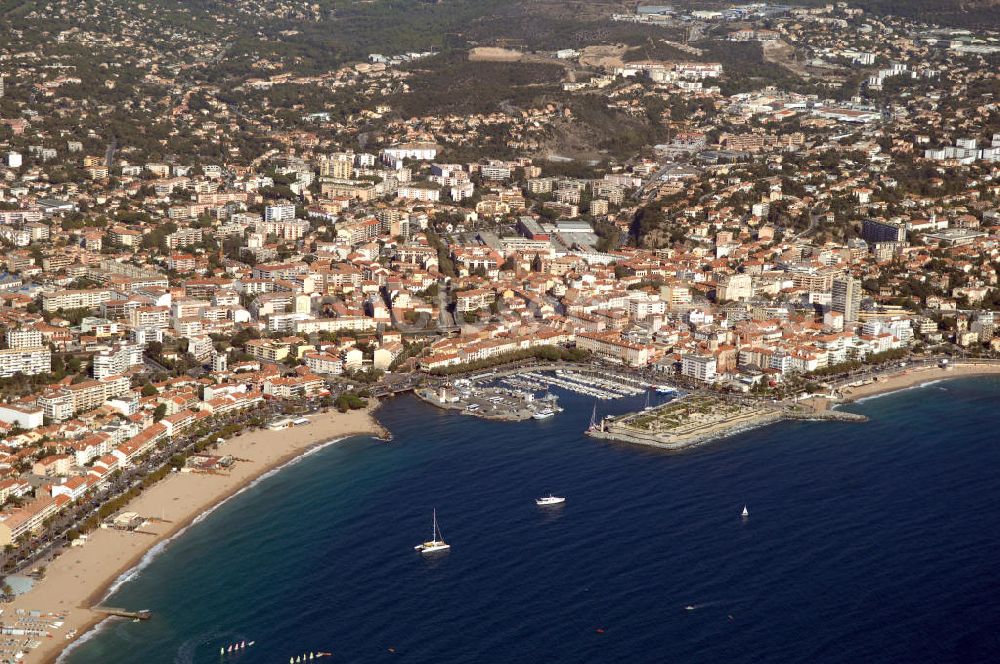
(610, 346)
(150, 318)
(24, 337)
(356, 323)
(294, 386)
(324, 363)
(60, 404)
(27, 361)
(339, 165)
(847, 298)
(279, 212)
(699, 367)
(268, 349)
(473, 300)
(184, 237)
(116, 360)
(26, 520)
(417, 192)
(74, 299)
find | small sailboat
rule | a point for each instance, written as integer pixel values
(222, 650)
(550, 501)
(593, 418)
(745, 513)
(230, 648)
(436, 543)
(647, 406)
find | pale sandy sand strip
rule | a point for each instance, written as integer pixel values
(914, 377)
(80, 577)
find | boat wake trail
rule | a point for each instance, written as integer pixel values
(707, 605)
(186, 651)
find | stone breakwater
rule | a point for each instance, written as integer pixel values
(700, 428)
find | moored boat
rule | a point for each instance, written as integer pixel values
(436, 544)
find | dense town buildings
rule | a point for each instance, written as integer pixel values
(252, 249)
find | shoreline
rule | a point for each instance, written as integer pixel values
(907, 379)
(111, 558)
(81, 578)
(904, 379)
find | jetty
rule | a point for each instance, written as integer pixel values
(698, 418)
(143, 614)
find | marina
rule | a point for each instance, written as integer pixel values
(494, 403)
(604, 387)
(800, 479)
(589, 385)
(526, 394)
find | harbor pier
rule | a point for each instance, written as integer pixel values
(143, 614)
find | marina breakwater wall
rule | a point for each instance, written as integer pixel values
(690, 437)
(830, 415)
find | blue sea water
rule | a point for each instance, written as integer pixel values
(865, 543)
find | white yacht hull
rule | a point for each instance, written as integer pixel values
(430, 548)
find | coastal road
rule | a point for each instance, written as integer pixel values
(55, 535)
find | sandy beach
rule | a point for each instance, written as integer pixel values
(81, 577)
(917, 376)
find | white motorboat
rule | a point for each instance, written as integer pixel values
(550, 500)
(544, 414)
(436, 544)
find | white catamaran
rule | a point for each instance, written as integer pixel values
(436, 543)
